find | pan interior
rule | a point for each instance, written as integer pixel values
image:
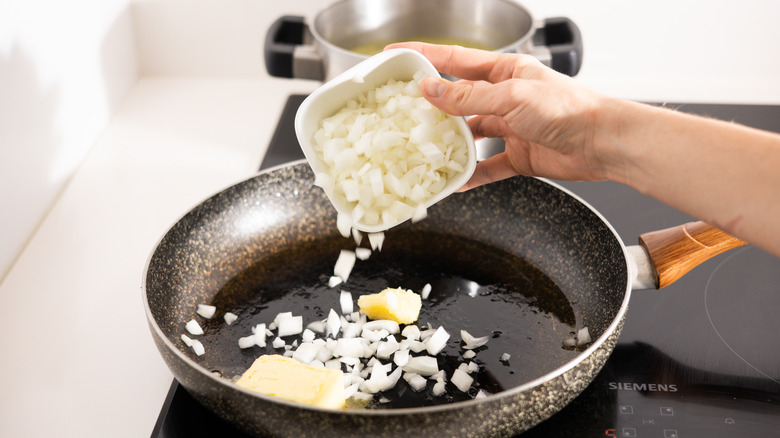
(475, 287)
(542, 264)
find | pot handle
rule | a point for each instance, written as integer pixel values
(675, 251)
(563, 39)
(288, 53)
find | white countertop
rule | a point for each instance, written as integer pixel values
(78, 359)
(76, 348)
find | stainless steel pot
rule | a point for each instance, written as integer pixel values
(344, 33)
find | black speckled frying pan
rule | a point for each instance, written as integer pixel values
(520, 260)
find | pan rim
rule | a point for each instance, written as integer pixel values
(596, 345)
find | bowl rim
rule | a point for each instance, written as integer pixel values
(368, 74)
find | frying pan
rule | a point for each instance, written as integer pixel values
(522, 260)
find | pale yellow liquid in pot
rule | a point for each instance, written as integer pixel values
(373, 48)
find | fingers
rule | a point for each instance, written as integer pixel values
(493, 169)
(471, 64)
(465, 98)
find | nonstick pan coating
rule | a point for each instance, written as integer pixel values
(541, 263)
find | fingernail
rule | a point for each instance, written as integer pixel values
(434, 88)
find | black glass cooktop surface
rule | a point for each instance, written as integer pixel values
(700, 358)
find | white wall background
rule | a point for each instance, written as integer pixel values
(65, 66)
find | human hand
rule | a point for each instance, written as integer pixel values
(547, 120)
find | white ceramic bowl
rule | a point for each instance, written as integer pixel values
(398, 64)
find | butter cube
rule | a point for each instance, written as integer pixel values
(399, 305)
(288, 379)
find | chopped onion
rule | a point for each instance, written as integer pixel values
(344, 264)
(347, 305)
(439, 388)
(197, 347)
(396, 145)
(344, 224)
(193, 327)
(391, 326)
(332, 324)
(472, 342)
(505, 357)
(570, 342)
(334, 281)
(306, 352)
(461, 380)
(376, 240)
(206, 310)
(316, 326)
(362, 253)
(469, 354)
(246, 342)
(259, 334)
(290, 326)
(411, 332)
(230, 318)
(436, 343)
(423, 365)
(349, 347)
(480, 394)
(307, 336)
(583, 337)
(187, 341)
(278, 343)
(426, 291)
(416, 381)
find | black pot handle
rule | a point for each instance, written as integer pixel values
(283, 36)
(562, 37)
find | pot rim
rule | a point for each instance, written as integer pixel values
(596, 345)
(343, 51)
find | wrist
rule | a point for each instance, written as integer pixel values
(617, 124)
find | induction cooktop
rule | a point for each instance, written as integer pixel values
(700, 358)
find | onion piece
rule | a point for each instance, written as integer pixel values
(198, 348)
(187, 341)
(290, 326)
(344, 224)
(416, 382)
(439, 388)
(334, 281)
(193, 327)
(422, 365)
(505, 357)
(306, 352)
(344, 264)
(206, 311)
(307, 336)
(246, 342)
(259, 334)
(468, 354)
(472, 342)
(461, 380)
(332, 324)
(480, 394)
(426, 291)
(278, 343)
(376, 240)
(230, 318)
(583, 337)
(436, 343)
(347, 305)
(362, 253)
(391, 326)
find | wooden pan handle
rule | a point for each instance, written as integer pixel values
(675, 251)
